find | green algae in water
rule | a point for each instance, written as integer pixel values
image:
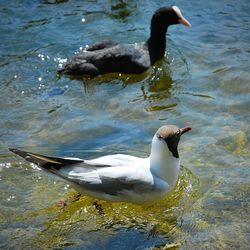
(69, 225)
(236, 143)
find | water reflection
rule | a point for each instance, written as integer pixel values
(121, 10)
(54, 1)
(155, 85)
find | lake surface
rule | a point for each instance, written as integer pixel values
(203, 82)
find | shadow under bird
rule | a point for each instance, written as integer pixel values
(109, 56)
(121, 177)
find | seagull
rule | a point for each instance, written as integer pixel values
(109, 56)
(120, 177)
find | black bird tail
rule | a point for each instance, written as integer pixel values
(43, 161)
(62, 71)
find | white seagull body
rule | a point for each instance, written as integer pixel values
(121, 177)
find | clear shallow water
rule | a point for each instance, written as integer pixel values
(203, 81)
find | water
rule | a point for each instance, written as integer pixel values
(203, 81)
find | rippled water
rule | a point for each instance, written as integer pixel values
(203, 81)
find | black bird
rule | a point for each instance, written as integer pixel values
(109, 56)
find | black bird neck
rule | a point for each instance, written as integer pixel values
(157, 42)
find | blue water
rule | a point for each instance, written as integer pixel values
(203, 82)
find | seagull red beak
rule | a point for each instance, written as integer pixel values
(184, 130)
(185, 22)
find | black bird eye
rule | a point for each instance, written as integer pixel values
(178, 133)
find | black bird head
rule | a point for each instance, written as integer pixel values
(162, 18)
(166, 16)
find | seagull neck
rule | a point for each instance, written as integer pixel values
(166, 168)
(163, 163)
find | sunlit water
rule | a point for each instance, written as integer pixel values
(203, 81)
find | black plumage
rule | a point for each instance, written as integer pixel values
(109, 56)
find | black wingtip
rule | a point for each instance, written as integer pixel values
(20, 153)
(62, 70)
(14, 150)
(44, 161)
(40, 160)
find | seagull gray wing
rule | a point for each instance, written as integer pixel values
(120, 176)
(109, 185)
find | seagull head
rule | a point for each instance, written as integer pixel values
(164, 157)
(167, 139)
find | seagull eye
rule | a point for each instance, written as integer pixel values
(178, 133)
(159, 137)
